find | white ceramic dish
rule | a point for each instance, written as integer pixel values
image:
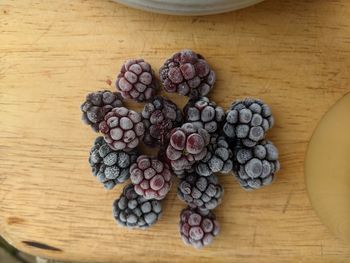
(189, 7)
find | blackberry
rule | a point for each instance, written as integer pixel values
(188, 74)
(180, 173)
(136, 80)
(218, 158)
(97, 105)
(159, 117)
(122, 129)
(188, 144)
(255, 167)
(247, 121)
(134, 211)
(151, 177)
(109, 166)
(198, 227)
(199, 191)
(205, 114)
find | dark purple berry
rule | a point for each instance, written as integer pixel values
(255, 167)
(198, 227)
(151, 177)
(122, 129)
(109, 166)
(203, 192)
(134, 211)
(136, 80)
(160, 116)
(188, 74)
(218, 158)
(204, 114)
(188, 145)
(97, 105)
(248, 121)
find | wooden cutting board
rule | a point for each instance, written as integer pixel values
(294, 54)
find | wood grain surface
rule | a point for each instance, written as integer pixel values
(294, 54)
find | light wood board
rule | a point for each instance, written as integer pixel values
(294, 54)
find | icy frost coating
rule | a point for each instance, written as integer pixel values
(198, 227)
(188, 74)
(109, 166)
(134, 211)
(136, 80)
(122, 129)
(97, 105)
(255, 167)
(151, 177)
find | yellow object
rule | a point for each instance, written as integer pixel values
(327, 168)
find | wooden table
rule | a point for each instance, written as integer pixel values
(294, 54)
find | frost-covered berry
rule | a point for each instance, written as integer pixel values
(122, 129)
(151, 177)
(134, 211)
(205, 114)
(160, 116)
(188, 74)
(136, 80)
(97, 105)
(109, 166)
(255, 167)
(198, 227)
(203, 192)
(218, 158)
(188, 145)
(248, 121)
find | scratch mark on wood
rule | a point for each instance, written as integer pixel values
(287, 203)
(46, 31)
(41, 246)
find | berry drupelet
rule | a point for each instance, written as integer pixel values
(248, 121)
(109, 166)
(151, 177)
(199, 191)
(97, 105)
(255, 167)
(188, 145)
(122, 129)
(205, 114)
(198, 227)
(159, 117)
(134, 211)
(136, 80)
(188, 74)
(218, 158)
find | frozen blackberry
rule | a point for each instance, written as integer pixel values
(134, 211)
(160, 116)
(198, 227)
(203, 192)
(188, 145)
(218, 158)
(97, 105)
(247, 121)
(136, 80)
(188, 74)
(179, 173)
(122, 129)
(205, 114)
(109, 166)
(151, 177)
(255, 167)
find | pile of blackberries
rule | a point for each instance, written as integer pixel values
(195, 144)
